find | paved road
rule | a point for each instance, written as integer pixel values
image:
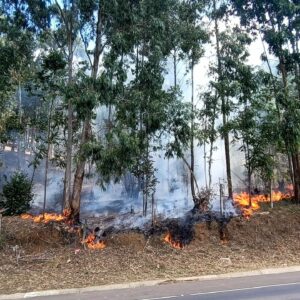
(267, 287)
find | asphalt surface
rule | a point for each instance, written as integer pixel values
(284, 286)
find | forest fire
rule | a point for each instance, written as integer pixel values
(92, 243)
(175, 244)
(47, 217)
(250, 204)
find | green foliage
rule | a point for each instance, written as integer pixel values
(53, 62)
(17, 194)
(138, 40)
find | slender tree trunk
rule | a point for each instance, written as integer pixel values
(191, 173)
(297, 80)
(20, 120)
(227, 158)
(79, 174)
(295, 162)
(291, 173)
(224, 110)
(204, 163)
(295, 148)
(271, 198)
(47, 156)
(46, 180)
(192, 177)
(175, 67)
(249, 184)
(68, 173)
(86, 131)
(211, 146)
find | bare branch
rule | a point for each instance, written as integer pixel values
(62, 14)
(85, 48)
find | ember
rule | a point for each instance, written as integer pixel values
(247, 208)
(175, 244)
(92, 242)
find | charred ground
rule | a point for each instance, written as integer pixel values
(49, 256)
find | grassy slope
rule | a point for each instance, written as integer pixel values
(49, 259)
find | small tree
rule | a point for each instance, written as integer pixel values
(17, 194)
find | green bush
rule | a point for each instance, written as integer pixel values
(17, 194)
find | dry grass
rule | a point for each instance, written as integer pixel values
(50, 259)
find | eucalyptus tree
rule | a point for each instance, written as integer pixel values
(277, 23)
(65, 16)
(145, 111)
(231, 53)
(19, 26)
(209, 114)
(48, 83)
(194, 36)
(186, 38)
(95, 26)
(218, 12)
(256, 125)
(130, 39)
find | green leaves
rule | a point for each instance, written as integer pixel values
(17, 194)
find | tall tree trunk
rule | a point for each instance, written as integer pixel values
(247, 154)
(291, 173)
(69, 147)
(294, 148)
(191, 173)
(175, 67)
(192, 177)
(296, 182)
(227, 157)
(86, 131)
(224, 109)
(79, 174)
(211, 146)
(68, 172)
(20, 120)
(204, 162)
(47, 155)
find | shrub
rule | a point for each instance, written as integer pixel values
(17, 194)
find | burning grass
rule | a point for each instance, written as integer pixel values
(175, 244)
(47, 217)
(252, 203)
(93, 243)
(51, 258)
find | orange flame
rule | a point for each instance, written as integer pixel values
(91, 242)
(47, 217)
(243, 201)
(168, 239)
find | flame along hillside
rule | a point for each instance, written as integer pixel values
(251, 203)
(91, 241)
(264, 241)
(242, 201)
(47, 217)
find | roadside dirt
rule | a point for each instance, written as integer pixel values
(47, 257)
